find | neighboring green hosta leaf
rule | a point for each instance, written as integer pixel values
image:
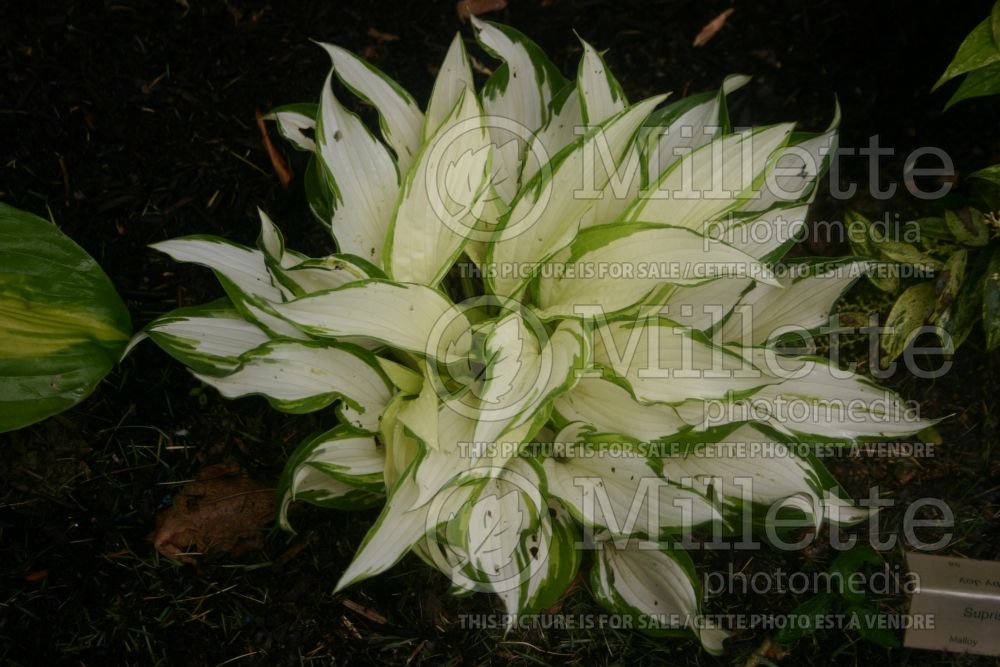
(300, 377)
(991, 301)
(807, 617)
(850, 562)
(601, 96)
(978, 83)
(978, 50)
(905, 253)
(910, 312)
(864, 242)
(968, 225)
(363, 177)
(442, 197)
(656, 585)
(550, 208)
(62, 325)
(948, 282)
(341, 469)
(645, 255)
(209, 338)
(967, 309)
(399, 116)
(991, 174)
(294, 120)
(401, 315)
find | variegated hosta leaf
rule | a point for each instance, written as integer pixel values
(362, 176)
(341, 469)
(209, 338)
(610, 408)
(601, 96)
(661, 362)
(616, 266)
(62, 325)
(620, 490)
(655, 583)
(810, 396)
(767, 312)
(442, 196)
(399, 116)
(679, 128)
(301, 377)
(294, 120)
(411, 317)
(723, 174)
(549, 210)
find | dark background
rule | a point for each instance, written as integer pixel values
(133, 122)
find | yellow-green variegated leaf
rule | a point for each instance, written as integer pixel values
(62, 325)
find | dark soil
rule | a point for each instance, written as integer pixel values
(134, 122)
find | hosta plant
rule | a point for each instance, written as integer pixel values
(544, 310)
(62, 324)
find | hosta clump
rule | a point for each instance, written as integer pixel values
(536, 283)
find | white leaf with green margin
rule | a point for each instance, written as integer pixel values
(619, 490)
(294, 120)
(244, 267)
(662, 363)
(399, 116)
(550, 209)
(658, 584)
(401, 315)
(340, 468)
(610, 408)
(209, 338)
(798, 305)
(302, 377)
(723, 174)
(692, 128)
(453, 79)
(645, 257)
(363, 177)
(601, 96)
(442, 197)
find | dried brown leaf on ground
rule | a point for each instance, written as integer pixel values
(467, 8)
(223, 511)
(382, 37)
(712, 27)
